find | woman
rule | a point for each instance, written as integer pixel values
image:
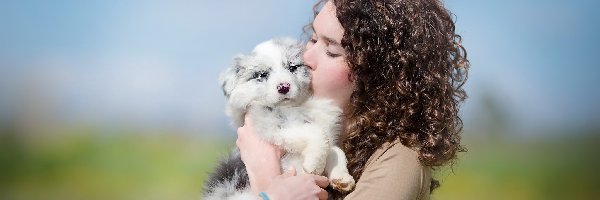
(396, 68)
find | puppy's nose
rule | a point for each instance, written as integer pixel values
(283, 88)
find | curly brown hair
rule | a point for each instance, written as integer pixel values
(408, 67)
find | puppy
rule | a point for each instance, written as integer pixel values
(272, 86)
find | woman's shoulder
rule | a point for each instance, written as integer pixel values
(395, 152)
(393, 172)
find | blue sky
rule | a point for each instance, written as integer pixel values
(156, 62)
(537, 57)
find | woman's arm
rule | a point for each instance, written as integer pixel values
(261, 158)
(263, 163)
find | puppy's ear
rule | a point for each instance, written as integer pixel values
(228, 78)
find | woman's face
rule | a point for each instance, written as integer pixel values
(325, 57)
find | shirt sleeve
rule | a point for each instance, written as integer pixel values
(395, 173)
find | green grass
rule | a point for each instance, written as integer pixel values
(94, 166)
(85, 164)
(534, 168)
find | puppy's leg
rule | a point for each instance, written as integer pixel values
(315, 156)
(337, 171)
(312, 144)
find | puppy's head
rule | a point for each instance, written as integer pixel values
(272, 75)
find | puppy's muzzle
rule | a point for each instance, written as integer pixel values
(283, 88)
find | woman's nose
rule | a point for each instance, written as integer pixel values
(308, 57)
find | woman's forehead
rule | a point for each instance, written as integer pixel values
(327, 25)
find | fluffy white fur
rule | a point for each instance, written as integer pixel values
(229, 186)
(272, 86)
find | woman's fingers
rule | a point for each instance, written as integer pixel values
(321, 181)
(323, 194)
(245, 134)
(247, 121)
(290, 172)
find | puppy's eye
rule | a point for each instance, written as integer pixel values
(260, 76)
(293, 68)
(264, 75)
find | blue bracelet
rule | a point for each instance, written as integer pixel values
(263, 195)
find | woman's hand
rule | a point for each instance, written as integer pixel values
(289, 186)
(262, 159)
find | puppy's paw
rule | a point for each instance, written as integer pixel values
(313, 167)
(344, 183)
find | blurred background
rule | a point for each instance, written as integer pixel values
(119, 99)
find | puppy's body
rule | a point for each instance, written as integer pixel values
(272, 86)
(305, 132)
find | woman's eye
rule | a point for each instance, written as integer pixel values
(333, 55)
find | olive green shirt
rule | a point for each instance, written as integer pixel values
(393, 172)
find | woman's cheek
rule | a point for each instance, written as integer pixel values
(337, 81)
(340, 75)
(335, 84)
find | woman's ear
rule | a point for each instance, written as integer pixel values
(352, 78)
